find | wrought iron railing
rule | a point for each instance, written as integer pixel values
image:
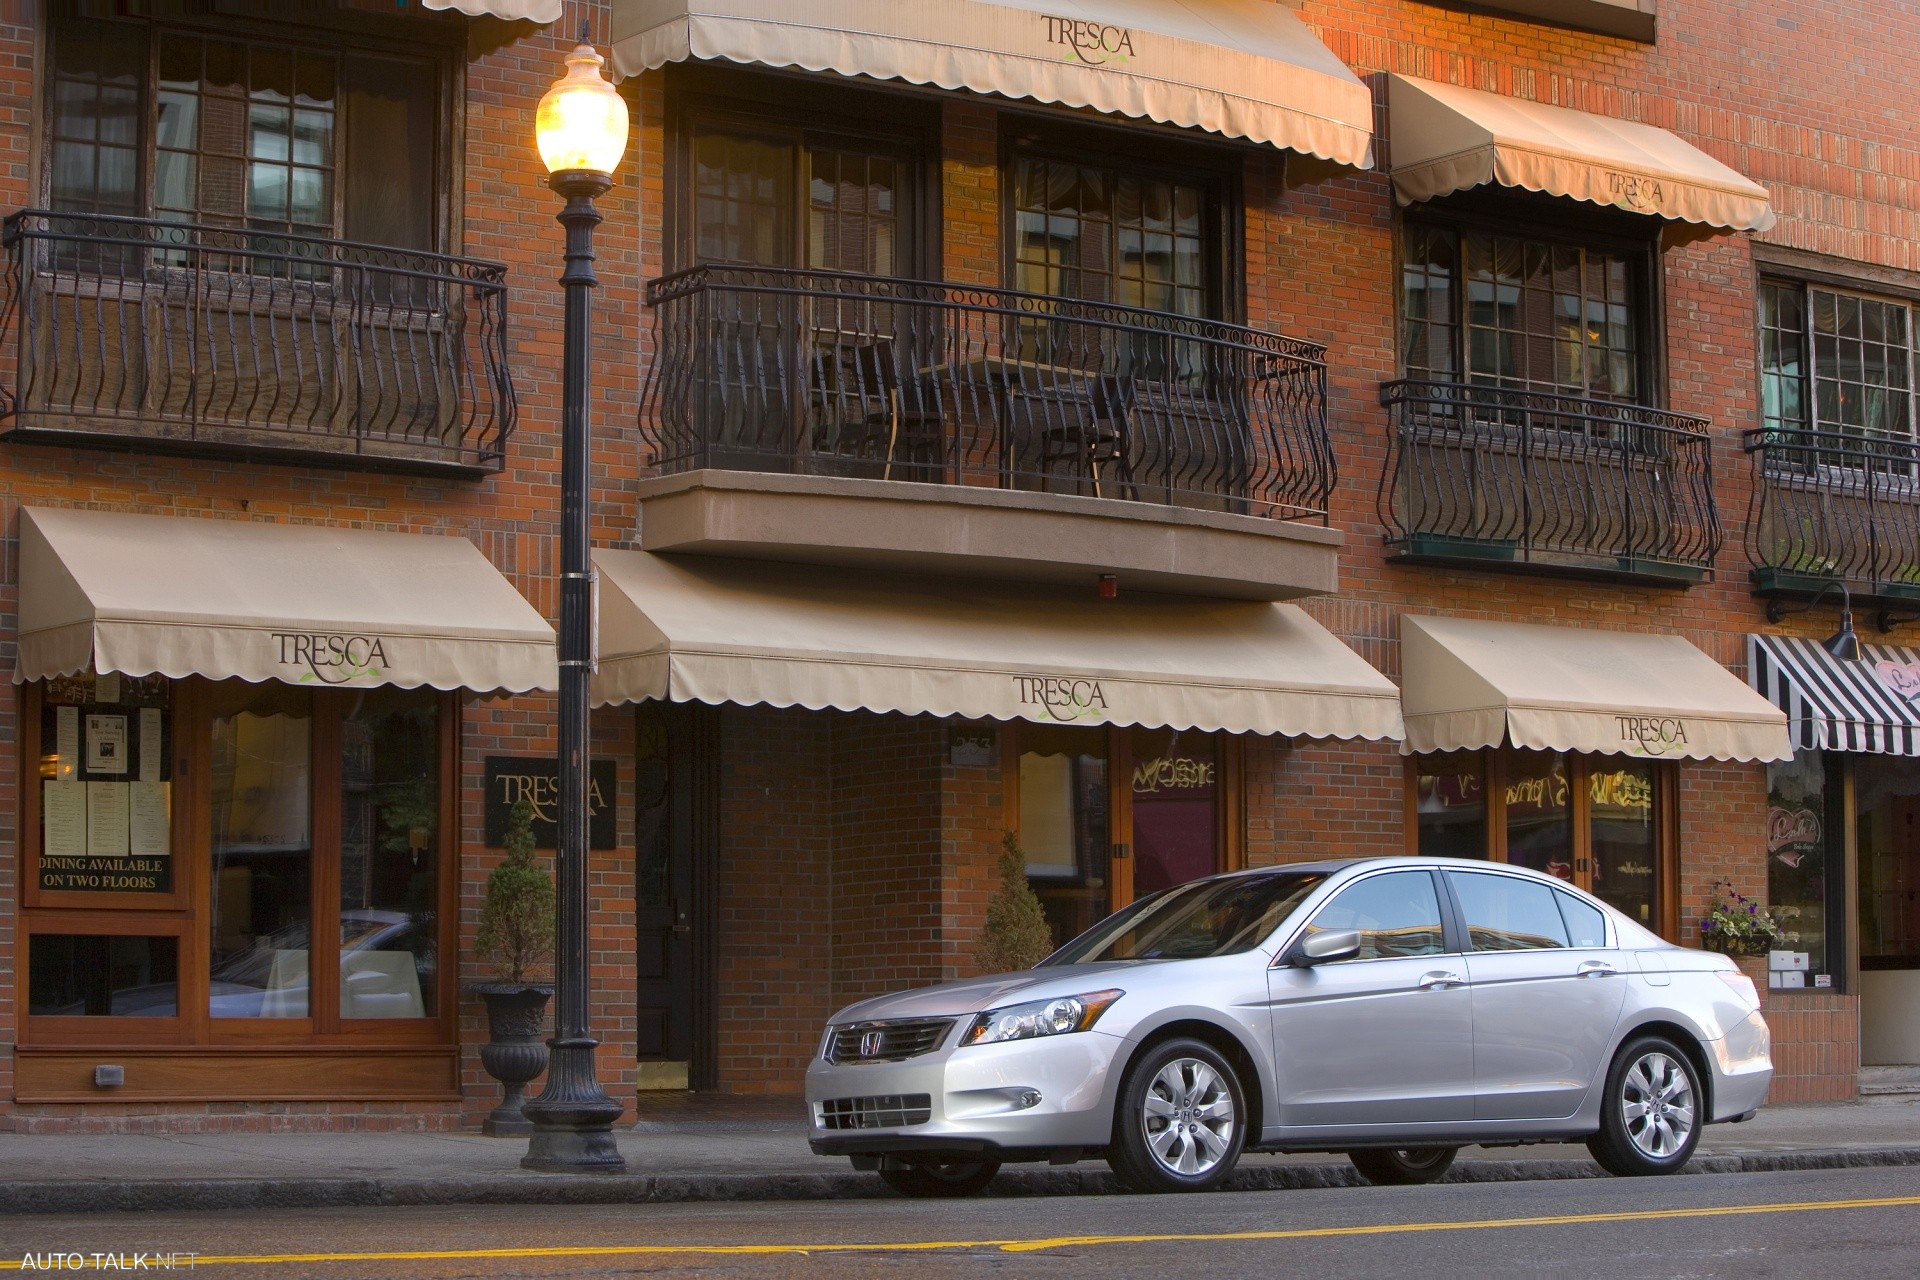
(142, 332)
(1490, 473)
(1828, 506)
(824, 373)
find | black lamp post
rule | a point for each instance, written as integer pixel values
(582, 131)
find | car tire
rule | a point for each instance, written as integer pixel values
(941, 1179)
(1181, 1121)
(1651, 1112)
(1403, 1166)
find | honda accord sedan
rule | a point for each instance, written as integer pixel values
(1391, 1009)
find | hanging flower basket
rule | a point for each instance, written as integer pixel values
(1736, 925)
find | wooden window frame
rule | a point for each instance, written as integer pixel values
(800, 113)
(439, 38)
(1550, 220)
(1494, 762)
(1230, 852)
(186, 913)
(1217, 172)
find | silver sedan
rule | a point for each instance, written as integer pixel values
(1393, 1009)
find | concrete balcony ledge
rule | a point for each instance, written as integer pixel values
(964, 531)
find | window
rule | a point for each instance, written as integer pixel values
(1801, 877)
(1103, 234)
(257, 127)
(1524, 312)
(301, 860)
(1508, 914)
(1598, 822)
(1836, 362)
(1397, 914)
(765, 196)
(1107, 815)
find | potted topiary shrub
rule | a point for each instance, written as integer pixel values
(1015, 935)
(516, 938)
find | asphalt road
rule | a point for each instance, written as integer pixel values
(1852, 1223)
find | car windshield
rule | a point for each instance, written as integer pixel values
(1206, 918)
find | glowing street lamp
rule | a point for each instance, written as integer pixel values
(581, 128)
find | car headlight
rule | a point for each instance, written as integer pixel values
(1052, 1017)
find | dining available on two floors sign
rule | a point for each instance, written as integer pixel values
(536, 779)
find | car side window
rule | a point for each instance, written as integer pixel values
(1397, 914)
(1505, 913)
(1586, 927)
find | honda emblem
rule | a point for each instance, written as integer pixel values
(871, 1043)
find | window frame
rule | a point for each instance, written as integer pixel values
(186, 914)
(1494, 767)
(1902, 478)
(750, 102)
(1217, 172)
(439, 38)
(1554, 221)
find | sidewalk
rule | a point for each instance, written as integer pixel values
(753, 1149)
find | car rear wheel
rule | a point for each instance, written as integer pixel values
(1651, 1114)
(1181, 1120)
(1403, 1166)
(941, 1179)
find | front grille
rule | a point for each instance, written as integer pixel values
(886, 1111)
(887, 1041)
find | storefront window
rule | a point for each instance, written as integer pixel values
(1625, 838)
(1064, 825)
(1539, 813)
(1798, 866)
(306, 847)
(389, 862)
(1593, 821)
(1450, 804)
(262, 851)
(90, 976)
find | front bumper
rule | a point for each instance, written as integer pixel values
(975, 1098)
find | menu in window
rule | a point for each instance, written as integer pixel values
(148, 820)
(107, 744)
(106, 819)
(63, 818)
(66, 743)
(105, 802)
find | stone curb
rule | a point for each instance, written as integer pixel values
(186, 1195)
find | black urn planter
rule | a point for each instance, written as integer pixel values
(514, 1052)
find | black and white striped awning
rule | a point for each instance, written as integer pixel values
(1831, 705)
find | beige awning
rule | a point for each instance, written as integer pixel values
(711, 630)
(1445, 138)
(301, 603)
(1467, 683)
(512, 10)
(1243, 68)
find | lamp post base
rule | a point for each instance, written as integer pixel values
(573, 1151)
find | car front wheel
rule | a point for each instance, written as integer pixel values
(1181, 1120)
(1403, 1166)
(1651, 1114)
(941, 1179)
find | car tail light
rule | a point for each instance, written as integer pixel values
(1742, 986)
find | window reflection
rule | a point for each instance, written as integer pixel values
(262, 851)
(389, 853)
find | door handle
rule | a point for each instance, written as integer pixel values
(1439, 980)
(1595, 969)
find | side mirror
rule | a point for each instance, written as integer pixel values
(1319, 948)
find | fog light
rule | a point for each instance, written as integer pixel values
(1028, 1098)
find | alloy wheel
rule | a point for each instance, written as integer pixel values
(1657, 1104)
(1189, 1116)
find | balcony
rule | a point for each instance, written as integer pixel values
(135, 333)
(1829, 507)
(863, 420)
(1494, 478)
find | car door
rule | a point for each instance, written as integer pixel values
(1546, 992)
(1385, 1038)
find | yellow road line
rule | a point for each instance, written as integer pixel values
(1010, 1246)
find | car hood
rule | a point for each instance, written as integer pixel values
(973, 995)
